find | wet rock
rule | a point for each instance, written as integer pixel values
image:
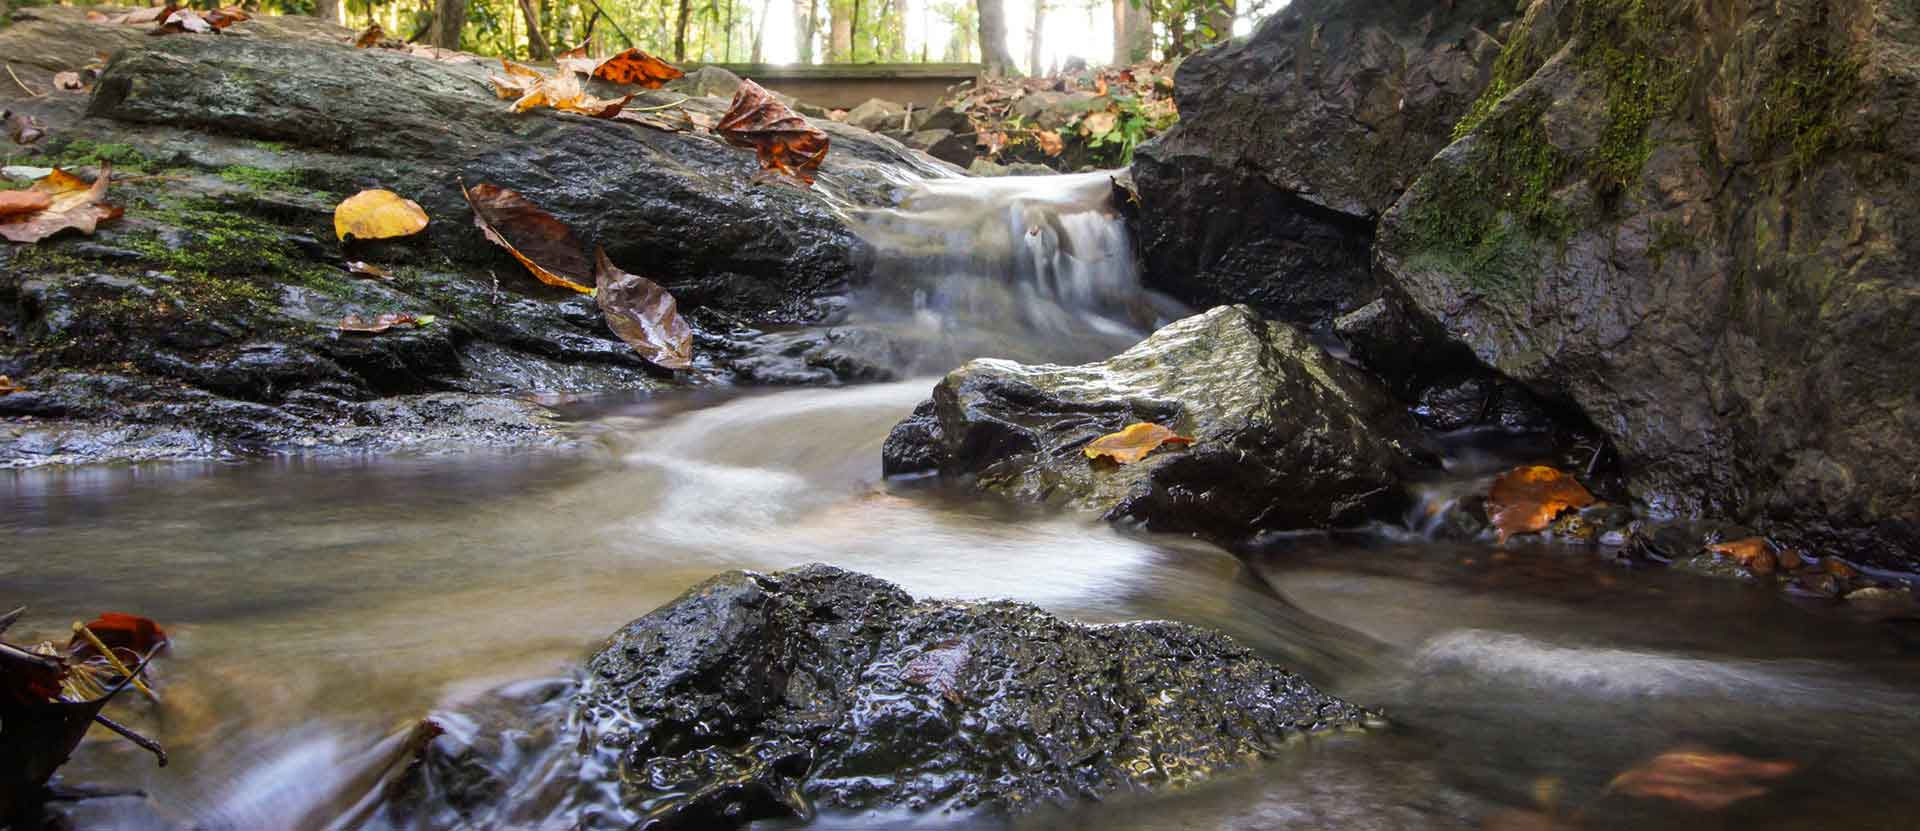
(1292, 141)
(1050, 110)
(988, 167)
(767, 696)
(1285, 437)
(876, 115)
(915, 445)
(1714, 280)
(1481, 402)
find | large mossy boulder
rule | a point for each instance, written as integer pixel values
(1285, 437)
(770, 696)
(1693, 222)
(1291, 142)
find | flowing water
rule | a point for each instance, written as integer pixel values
(319, 605)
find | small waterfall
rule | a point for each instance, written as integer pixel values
(1037, 268)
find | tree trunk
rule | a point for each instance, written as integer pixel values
(449, 17)
(993, 38)
(679, 30)
(327, 10)
(1220, 19)
(760, 30)
(842, 45)
(806, 16)
(1034, 57)
(897, 33)
(1132, 32)
(536, 45)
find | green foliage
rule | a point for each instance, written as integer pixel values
(1803, 105)
(1133, 125)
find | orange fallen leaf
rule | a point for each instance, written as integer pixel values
(1700, 779)
(17, 202)
(1752, 552)
(369, 38)
(357, 323)
(633, 67)
(546, 246)
(530, 90)
(226, 16)
(939, 668)
(1049, 142)
(132, 636)
(8, 387)
(72, 203)
(1133, 443)
(780, 138)
(1526, 499)
(378, 214)
(643, 314)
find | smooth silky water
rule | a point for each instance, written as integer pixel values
(319, 605)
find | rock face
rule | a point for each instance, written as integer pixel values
(223, 283)
(759, 696)
(1285, 437)
(1291, 142)
(1690, 222)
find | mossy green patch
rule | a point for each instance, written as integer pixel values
(79, 151)
(262, 179)
(1803, 104)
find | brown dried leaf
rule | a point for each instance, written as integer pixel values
(1754, 553)
(18, 202)
(24, 129)
(939, 668)
(1134, 443)
(532, 90)
(782, 140)
(643, 314)
(370, 37)
(226, 16)
(546, 246)
(357, 323)
(378, 214)
(1049, 142)
(69, 82)
(184, 21)
(72, 204)
(1699, 778)
(1526, 499)
(633, 67)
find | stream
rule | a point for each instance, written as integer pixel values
(321, 604)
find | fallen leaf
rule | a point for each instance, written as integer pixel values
(546, 246)
(69, 82)
(368, 270)
(1099, 123)
(378, 214)
(563, 91)
(24, 129)
(8, 387)
(780, 138)
(357, 323)
(939, 668)
(1526, 499)
(16, 202)
(1700, 779)
(1049, 142)
(633, 67)
(221, 18)
(643, 314)
(135, 635)
(370, 38)
(72, 204)
(1133, 443)
(1752, 552)
(185, 21)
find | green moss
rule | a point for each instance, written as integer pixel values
(262, 179)
(1802, 107)
(80, 151)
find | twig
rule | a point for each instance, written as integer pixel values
(23, 84)
(81, 629)
(683, 100)
(611, 22)
(127, 733)
(7, 620)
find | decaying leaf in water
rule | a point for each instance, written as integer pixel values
(562, 91)
(1526, 499)
(72, 203)
(1134, 443)
(23, 129)
(643, 314)
(1700, 778)
(1049, 142)
(370, 38)
(1753, 553)
(783, 141)
(939, 668)
(546, 246)
(378, 214)
(374, 326)
(633, 67)
(368, 270)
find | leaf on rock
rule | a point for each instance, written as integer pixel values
(8, 387)
(1049, 142)
(546, 246)
(643, 314)
(939, 668)
(357, 323)
(1700, 779)
(1752, 553)
(16, 202)
(1133, 443)
(378, 214)
(531, 90)
(69, 82)
(184, 21)
(368, 270)
(370, 38)
(1526, 499)
(23, 129)
(783, 141)
(72, 203)
(632, 67)
(221, 18)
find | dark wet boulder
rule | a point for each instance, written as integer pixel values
(1692, 224)
(1285, 437)
(1292, 141)
(764, 696)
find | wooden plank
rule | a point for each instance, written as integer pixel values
(951, 72)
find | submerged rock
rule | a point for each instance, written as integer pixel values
(1285, 437)
(757, 696)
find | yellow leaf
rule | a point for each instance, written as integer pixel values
(1134, 443)
(378, 214)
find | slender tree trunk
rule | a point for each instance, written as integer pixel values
(841, 45)
(1034, 57)
(1132, 32)
(726, 36)
(805, 16)
(993, 38)
(897, 33)
(854, 46)
(1220, 20)
(536, 45)
(449, 17)
(680, 30)
(760, 30)
(329, 10)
